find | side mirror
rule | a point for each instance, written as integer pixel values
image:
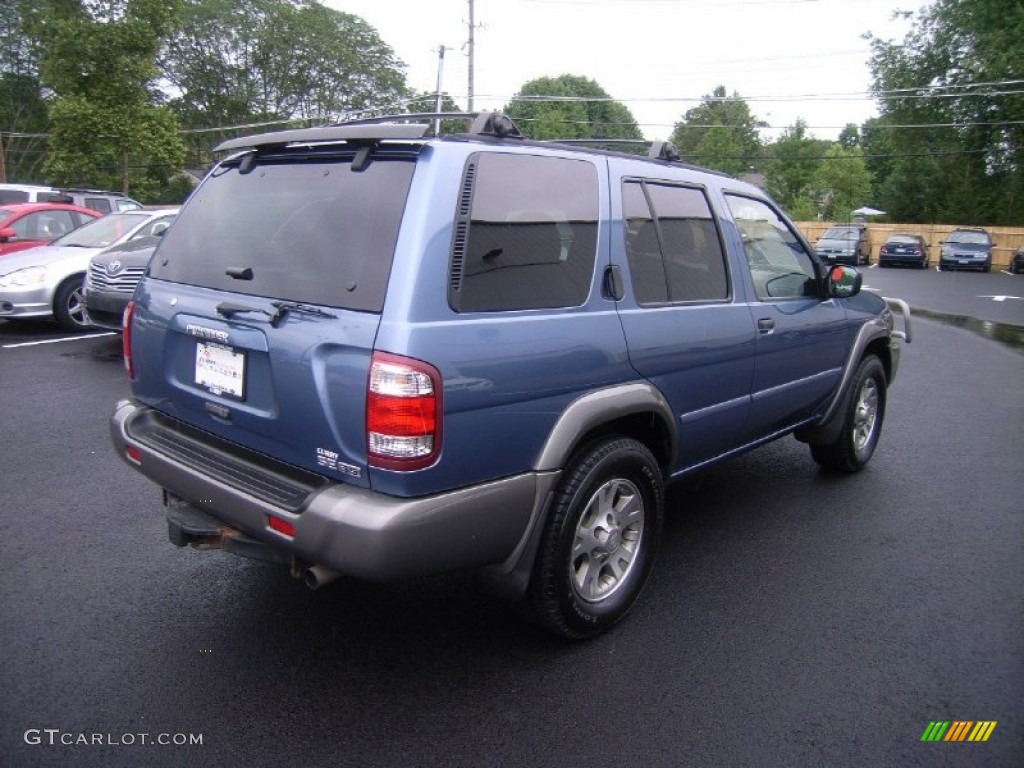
(7, 234)
(843, 282)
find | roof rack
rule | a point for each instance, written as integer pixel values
(659, 150)
(496, 124)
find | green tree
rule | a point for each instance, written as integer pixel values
(955, 72)
(843, 181)
(720, 132)
(22, 108)
(570, 107)
(237, 62)
(234, 61)
(792, 171)
(849, 137)
(107, 127)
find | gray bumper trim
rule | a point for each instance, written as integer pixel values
(353, 530)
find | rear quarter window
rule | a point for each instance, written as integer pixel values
(525, 233)
(312, 231)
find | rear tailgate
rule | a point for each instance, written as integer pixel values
(258, 318)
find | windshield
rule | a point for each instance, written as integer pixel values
(103, 231)
(841, 233)
(903, 240)
(974, 238)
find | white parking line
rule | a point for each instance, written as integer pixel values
(58, 341)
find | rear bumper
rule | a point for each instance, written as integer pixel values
(347, 529)
(901, 258)
(965, 261)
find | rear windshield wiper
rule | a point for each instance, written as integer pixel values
(227, 309)
(293, 306)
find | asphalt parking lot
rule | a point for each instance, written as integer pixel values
(793, 618)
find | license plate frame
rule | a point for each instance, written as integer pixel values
(220, 369)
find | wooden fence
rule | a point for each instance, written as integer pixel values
(1006, 239)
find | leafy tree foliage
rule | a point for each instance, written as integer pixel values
(720, 133)
(843, 182)
(793, 169)
(570, 107)
(22, 109)
(955, 69)
(98, 58)
(237, 61)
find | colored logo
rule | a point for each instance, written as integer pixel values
(958, 730)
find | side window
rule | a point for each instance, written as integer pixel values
(643, 250)
(53, 224)
(525, 233)
(675, 255)
(154, 227)
(100, 204)
(43, 225)
(13, 196)
(779, 263)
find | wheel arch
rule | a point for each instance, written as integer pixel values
(637, 410)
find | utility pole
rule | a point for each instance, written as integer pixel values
(472, 30)
(3, 165)
(440, 103)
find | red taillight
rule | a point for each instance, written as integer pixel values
(126, 339)
(134, 454)
(403, 413)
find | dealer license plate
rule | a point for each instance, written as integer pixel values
(220, 369)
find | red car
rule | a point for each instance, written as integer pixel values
(26, 225)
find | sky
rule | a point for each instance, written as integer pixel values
(788, 58)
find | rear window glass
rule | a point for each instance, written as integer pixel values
(842, 233)
(100, 204)
(316, 232)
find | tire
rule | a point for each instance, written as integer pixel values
(862, 422)
(69, 306)
(600, 539)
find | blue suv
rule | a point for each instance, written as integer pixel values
(367, 351)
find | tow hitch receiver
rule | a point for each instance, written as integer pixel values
(188, 526)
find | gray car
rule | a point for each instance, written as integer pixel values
(46, 282)
(112, 277)
(844, 244)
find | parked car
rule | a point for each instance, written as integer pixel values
(480, 352)
(26, 225)
(47, 281)
(1017, 261)
(844, 244)
(904, 249)
(112, 276)
(96, 199)
(966, 248)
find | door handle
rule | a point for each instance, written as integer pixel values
(765, 325)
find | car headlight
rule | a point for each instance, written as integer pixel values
(20, 277)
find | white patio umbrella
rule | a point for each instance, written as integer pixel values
(865, 211)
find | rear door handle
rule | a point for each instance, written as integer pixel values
(765, 325)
